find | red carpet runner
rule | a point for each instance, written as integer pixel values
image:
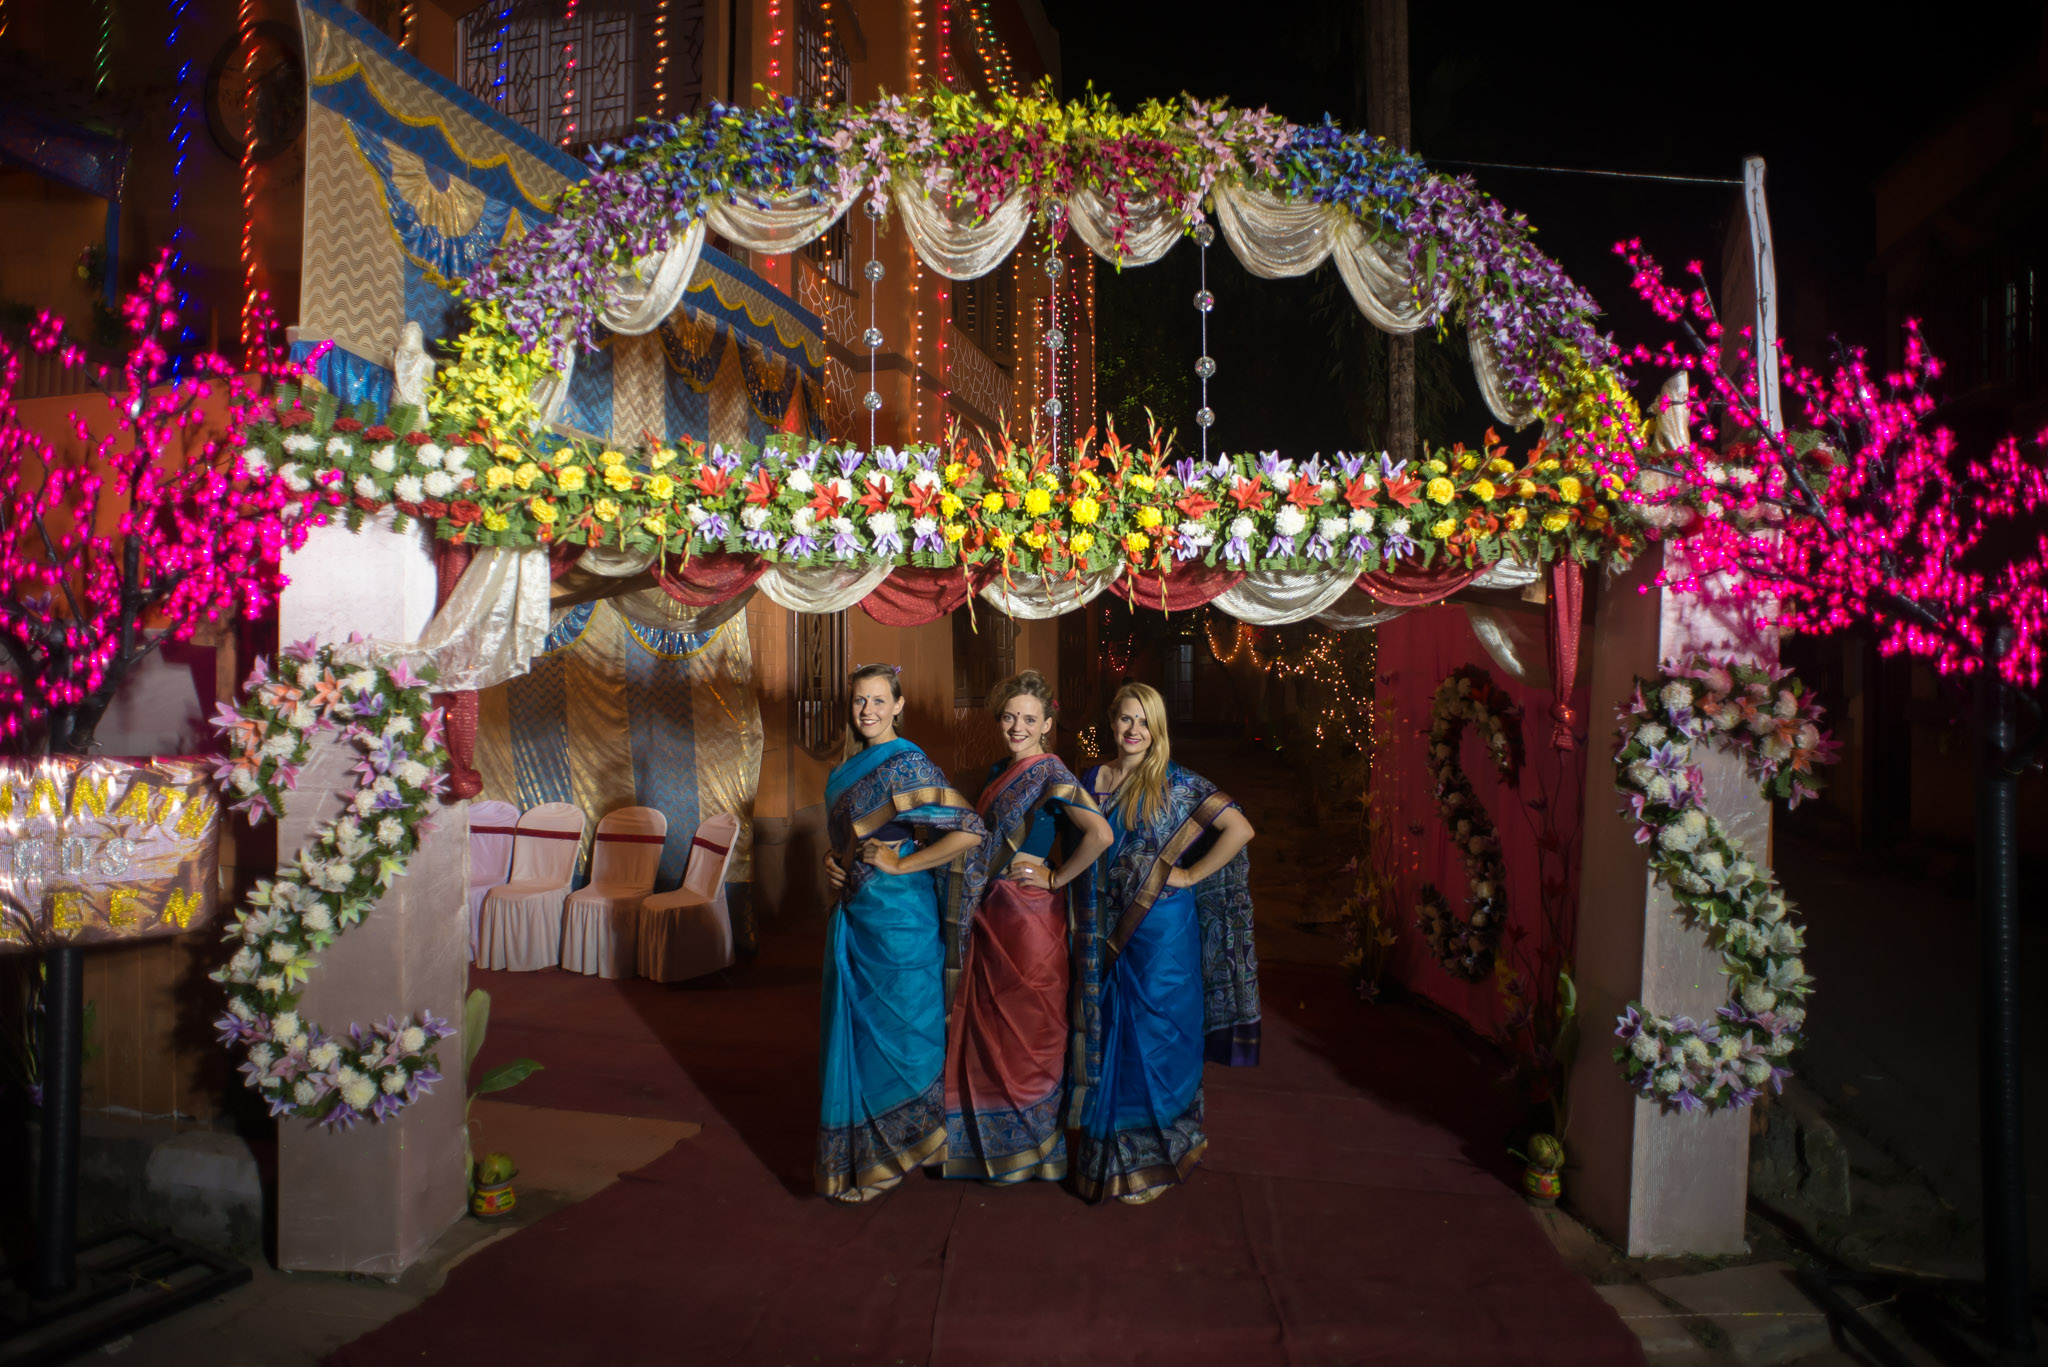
(1355, 1208)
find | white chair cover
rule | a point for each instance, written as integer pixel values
(687, 933)
(521, 926)
(491, 827)
(601, 922)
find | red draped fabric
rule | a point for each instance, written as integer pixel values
(910, 597)
(562, 558)
(1567, 597)
(708, 579)
(1415, 588)
(460, 709)
(1188, 585)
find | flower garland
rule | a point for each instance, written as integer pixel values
(975, 499)
(1467, 948)
(387, 712)
(1767, 717)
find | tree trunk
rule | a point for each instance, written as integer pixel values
(1386, 90)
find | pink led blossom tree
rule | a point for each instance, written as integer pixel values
(150, 528)
(1874, 516)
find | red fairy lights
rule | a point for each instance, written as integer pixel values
(1871, 514)
(154, 520)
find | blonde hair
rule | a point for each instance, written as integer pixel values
(1143, 794)
(893, 673)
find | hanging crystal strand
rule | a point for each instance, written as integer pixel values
(1054, 340)
(1205, 416)
(873, 336)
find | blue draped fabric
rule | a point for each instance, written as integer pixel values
(1169, 977)
(349, 377)
(588, 405)
(882, 1024)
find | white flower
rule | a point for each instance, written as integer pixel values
(1477, 844)
(280, 745)
(1669, 1080)
(1695, 823)
(413, 774)
(928, 479)
(1793, 1016)
(1674, 837)
(394, 1081)
(1730, 1047)
(844, 526)
(697, 513)
(300, 442)
(1779, 1046)
(255, 462)
(800, 480)
(1757, 998)
(882, 523)
(357, 1090)
(412, 1039)
(306, 675)
(803, 519)
(262, 1055)
(1399, 526)
(239, 1009)
(318, 918)
(365, 487)
(924, 526)
(1361, 521)
(337, 446)
(359, 682)
(383, 785)
(389, 832)
(1644, 1047)
(398, 725)
(1332, 528)
(385, 458)
(1242, 528)
(324, 1055)
(1197, 535)
(439, 484)
(294, 479)
(363, 801)
(243, 964)
(305, 1091)
(1651, 733)
(1290, 521)
(429, 455)
(406, 489)
(456, 457)
(1696, 1049)
(281, 952)
(1756, 1072)
(270, 984)
(1675, 696)
(840, 487)
(754, 516)
(245, 781)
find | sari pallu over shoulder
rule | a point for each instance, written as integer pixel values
(895, 782)
(1013, 800)
(1125, 883)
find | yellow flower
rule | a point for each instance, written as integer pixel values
(525, 475)
(495, 521)
(1080, 542)
(1440, 490)
(497, 477)
(1035, 540)
(954, 531)
(1037, 502)
(1516, 517)
(1525, 488)
(1085, 510)
(1499, 466)
(1610, 484)
(1001, 540)
(1483, 490)
(661, 486)
(1442, 529)
(1148, 518)
(1137, 543)
(542, 510)
(1468, 462)
(507, 451)
(661, 456)
(1434, 467)
(1556, 522)
(991, 503)
(605, 510)
(656, 523)
(611, 458)
(1568, 489)
(1145, 482)
(956, 473)
(1598, 514)
(618, 477)
(950, 504)
(1088, 478)
(569, 478)
(1547, 465)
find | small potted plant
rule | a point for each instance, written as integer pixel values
(490, 1178)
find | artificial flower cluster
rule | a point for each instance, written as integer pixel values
(1468, 948)
(386, 712)
(1020, 507)
(1767, 717)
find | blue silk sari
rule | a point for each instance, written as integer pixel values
(892, 955)
(1006, 1039)
(1167, 978)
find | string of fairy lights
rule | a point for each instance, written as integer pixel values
(778, 30)
(247, 30)
(1346, 711)
(569, 73)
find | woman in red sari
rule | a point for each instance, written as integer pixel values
(1008, 1033)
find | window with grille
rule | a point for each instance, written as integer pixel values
(818, 663)
(984, 654)
(633, 59)
(985, 310)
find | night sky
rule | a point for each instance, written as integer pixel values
(1829, 95)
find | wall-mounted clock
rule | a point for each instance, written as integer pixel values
(257, 87)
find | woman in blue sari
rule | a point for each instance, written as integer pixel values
(1006, 1039)
(1168, 976)
(908, 849)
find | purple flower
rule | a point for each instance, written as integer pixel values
(759, 539)
(1236, 551)
(849, 461)
(892, 460)
(723, 459)
(713, 530)
(799, 546)
(1351, 465)
(1400, 545)
(302, 651)
(1391, 468)
(1360, 548)
(933, 541)
(1185, 470)
(1317, 548)
(845, 546)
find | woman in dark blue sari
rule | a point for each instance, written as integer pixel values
(1168, 975)
(907, 854)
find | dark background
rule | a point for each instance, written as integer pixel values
(1829, 95)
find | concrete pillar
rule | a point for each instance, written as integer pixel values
(374, 1198)
(1657, 1183)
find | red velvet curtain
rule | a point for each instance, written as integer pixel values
(1188, 585)
(1415, 588)
(708, 579)
(910, 597)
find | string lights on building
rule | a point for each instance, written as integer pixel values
(408, 18)
(249, 292)
(101, 52)
(569, 74)
(777, 30)
(661, 59)
(998, 70)
(1346, 712)
(826, 37)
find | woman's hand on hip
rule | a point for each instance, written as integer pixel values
(1178, 877)
(1029, 875)
(835, 872)
(882, 856)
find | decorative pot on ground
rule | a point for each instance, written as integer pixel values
(1541, 1179)
(492, 1194)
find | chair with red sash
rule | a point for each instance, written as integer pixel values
(491, 828)
(521, 925)
(687, 933)
(601, 922)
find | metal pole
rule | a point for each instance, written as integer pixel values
(56, 1269)
(2007, 1319)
